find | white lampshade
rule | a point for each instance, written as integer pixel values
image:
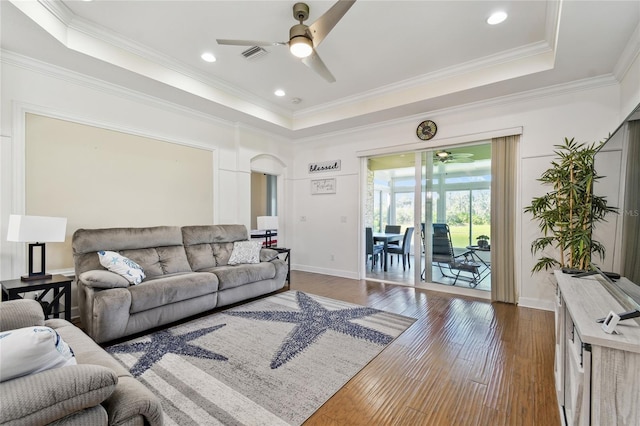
(267, 222)
(41, 229)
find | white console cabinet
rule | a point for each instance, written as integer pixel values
(597, 374)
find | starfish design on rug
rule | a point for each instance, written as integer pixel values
(164, 342)
(313, 320)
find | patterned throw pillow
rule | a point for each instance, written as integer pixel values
(245, 252)
(121, 265)
(30, 350)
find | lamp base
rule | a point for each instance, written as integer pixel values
(34, 277)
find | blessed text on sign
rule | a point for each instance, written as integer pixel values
(325, 166)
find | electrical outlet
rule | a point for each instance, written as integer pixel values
(303, 218)
(332, 258)
(343, 219)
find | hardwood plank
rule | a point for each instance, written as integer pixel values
(464, 361)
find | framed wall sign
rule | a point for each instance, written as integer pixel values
(326, 166)
(323, 186)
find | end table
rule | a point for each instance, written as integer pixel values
(287, 258)
(60, 285)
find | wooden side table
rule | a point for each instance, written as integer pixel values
(60, 285)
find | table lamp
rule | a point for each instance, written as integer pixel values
(36, 230)
(268, 224)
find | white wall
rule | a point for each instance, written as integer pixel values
(29, 86)
(588, 112)
(323, 230)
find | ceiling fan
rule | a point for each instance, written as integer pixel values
(449, 157)
(305, 39)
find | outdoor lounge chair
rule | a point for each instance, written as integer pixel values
(455, 264)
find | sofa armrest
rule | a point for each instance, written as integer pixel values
(21, 313)
(132, 399)
(267, 254)
(50, 395)
(103, 279)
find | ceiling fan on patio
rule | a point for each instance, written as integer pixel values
(449, 157)
(304, 39)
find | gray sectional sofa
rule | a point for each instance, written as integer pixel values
(96, 391)
(186, 269)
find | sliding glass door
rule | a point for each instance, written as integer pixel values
(457, 192)
(449, 188)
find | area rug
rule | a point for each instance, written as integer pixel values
(273, 361)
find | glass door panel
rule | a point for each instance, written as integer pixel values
(420, 189)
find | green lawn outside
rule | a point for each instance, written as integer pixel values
(460, 234)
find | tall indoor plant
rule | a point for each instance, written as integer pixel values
(567, 214)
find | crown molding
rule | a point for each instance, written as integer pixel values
(546, 46)
(88, 39)
(425, 79)
(529, 95)
(64, 74)
(629, 54)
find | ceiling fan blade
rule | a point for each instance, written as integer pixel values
(321, 27)
(314, 62)
(250, 42)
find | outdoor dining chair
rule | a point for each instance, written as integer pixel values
(373, 250)
(403, 250)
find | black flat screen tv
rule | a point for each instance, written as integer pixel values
(627, 290)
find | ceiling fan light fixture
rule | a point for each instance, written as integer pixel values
(442, 154)
(497, 18)
(208, 57)
(300, 47)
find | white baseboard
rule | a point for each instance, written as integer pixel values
(325, 271)
(528, 302)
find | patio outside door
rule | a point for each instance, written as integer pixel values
(456, 192)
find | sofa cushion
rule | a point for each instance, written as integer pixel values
(245, 252)
(20, 313)
(122, 266)
(158, 261)
(53, 394)
(211, 245)
(87, 242)
(98, 278)
(234, 276)
(200, 256)
(173, 288)
(213, 234)
(30, 350)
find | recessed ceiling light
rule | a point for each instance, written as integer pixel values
(208, 57)
(497, 18)
(279, 92)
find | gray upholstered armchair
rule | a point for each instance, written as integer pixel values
(96, 391)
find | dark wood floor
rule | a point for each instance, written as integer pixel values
(464, 361)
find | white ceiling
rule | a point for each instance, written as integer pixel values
(391, 59)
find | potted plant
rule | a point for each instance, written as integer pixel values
(483, 241)
(568, 214)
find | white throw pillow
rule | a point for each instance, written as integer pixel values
(30, 350)
(121, 265)
(245, 252)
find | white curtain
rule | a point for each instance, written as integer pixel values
(631, 212)
(504, 157)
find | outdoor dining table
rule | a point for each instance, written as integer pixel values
(386, 238)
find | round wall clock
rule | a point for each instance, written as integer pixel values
(426, 130)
